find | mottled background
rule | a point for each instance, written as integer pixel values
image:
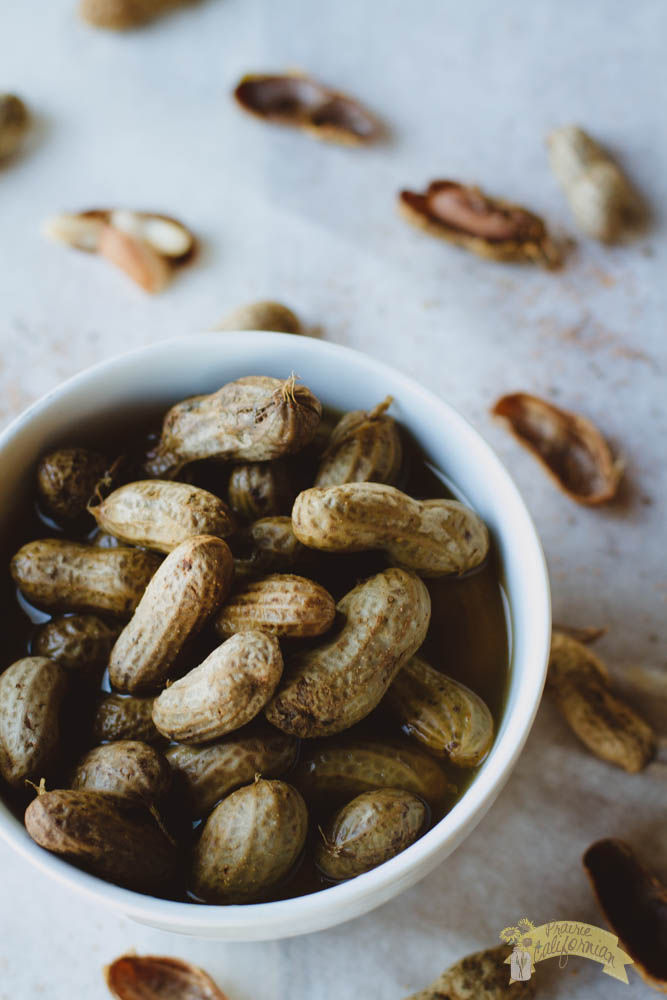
(469, 90)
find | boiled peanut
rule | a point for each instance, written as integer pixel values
(431, 537)
(122, 717)
(368, 831)
(250, 841)
(66, 480)
(282, 604)
(270, 546)
(76, 642)
(610, 729)
(344, 770)
(31, 694)
(211, 772)
(159, 514)
(104, 835)
(183, 594)
(442, 714)
(260, 489)
(332, 686)
(364, 447)
(68, 576)
(224, 692)
(261, 316)
(255, 419)
(129, 769)
(480, 976)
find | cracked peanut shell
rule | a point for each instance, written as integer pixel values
(488, 227)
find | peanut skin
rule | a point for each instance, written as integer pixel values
(431, 537)
(281, 604)
(332, 686)
(183, 594)
(103, 835)
(31, 693)
(255, 419)
(368, 831)
(158, 514)
(224, 692)
(68, 576)
(249, 842)
(579, 682)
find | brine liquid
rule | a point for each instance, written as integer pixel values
(468, 637)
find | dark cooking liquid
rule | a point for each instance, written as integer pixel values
(467, 637)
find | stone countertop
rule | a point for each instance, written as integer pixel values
(469, 90)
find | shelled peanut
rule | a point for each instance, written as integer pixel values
(220, 658)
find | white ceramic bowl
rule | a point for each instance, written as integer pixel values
(166, 372)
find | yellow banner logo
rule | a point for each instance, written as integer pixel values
(560, 938)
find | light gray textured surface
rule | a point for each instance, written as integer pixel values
(145, 120)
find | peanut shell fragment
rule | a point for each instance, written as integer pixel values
(223, 693)
(331, 686)
(149, 977)
(31, 695)
(250, 842)
(146, 245)
(104, 835)
(14, 123)
(579, 682)
(602, 200)
(189, 586)
(255, 419)
(68, 576)
(442, 714)
(282, 604)
(431, 537)
(120, 15)
(365, 446)
(480, 976)
(568, 446)
(634, 904)
(160, 514)
(261, 316)
(488, 227)
(299, 101)
(368, 831)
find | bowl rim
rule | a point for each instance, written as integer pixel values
(454, 826)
